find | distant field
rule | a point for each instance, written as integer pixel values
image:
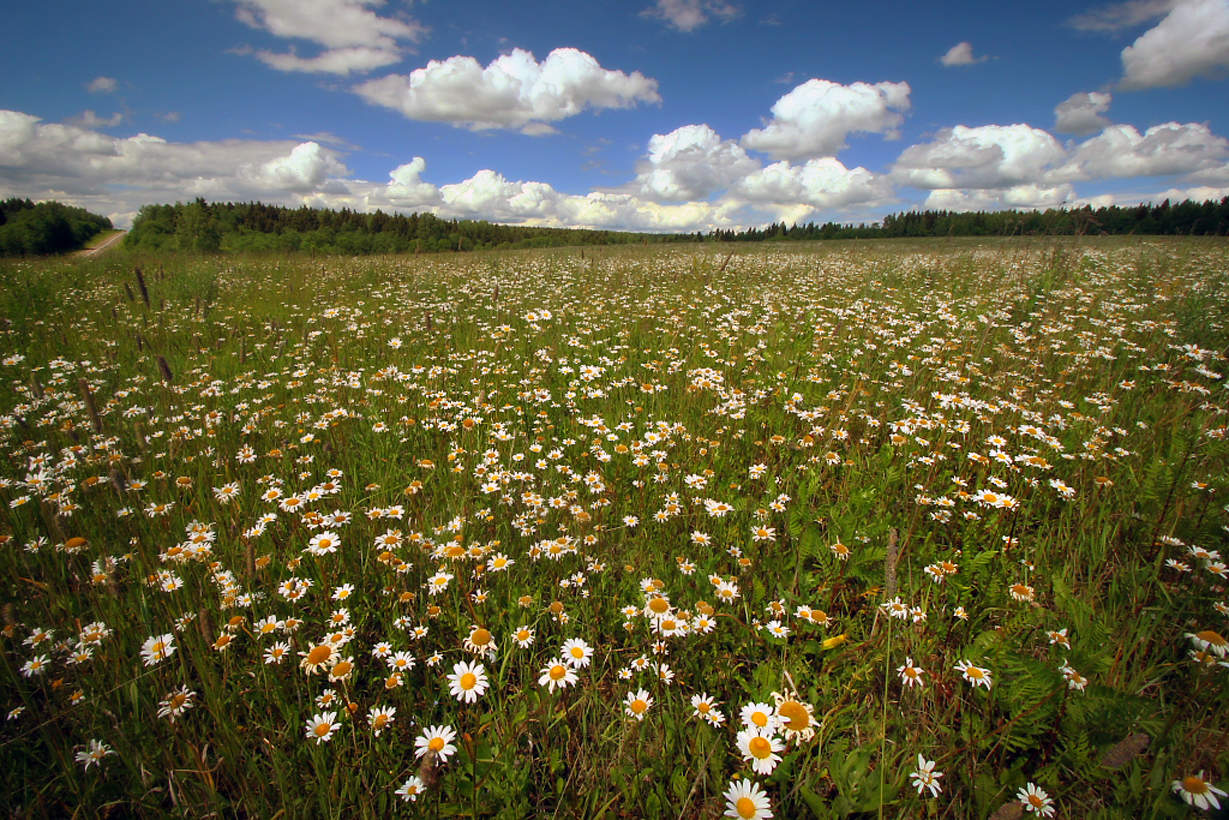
(884, 529)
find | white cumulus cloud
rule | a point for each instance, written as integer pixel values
(1081, 113)
(1121, 151)
(116, 175)
(513, 91)
(814, 119)
(1191, 41)
(353, 37)
(820, 184)
(1022, 197)
(988, 156)
(691, 162)
(961, 54)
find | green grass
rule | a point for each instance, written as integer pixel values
(1019, 445)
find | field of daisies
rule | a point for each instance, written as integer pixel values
(852, 529)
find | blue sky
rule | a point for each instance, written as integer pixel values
(670, 115)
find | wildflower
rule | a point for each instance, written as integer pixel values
(925, 777)
(1035, 800)
(436, 740)
(759, 747)
(410, 789)
(176, 703)
(910, 675)
(1208, 640)
(276, 654)
(321, 727)
(467, 682)
(1193, 789)
(795, 717)
(95, 751)
(480, 642)
(557, 675)
(523, 636)
(975, 675)
(341, 670)
(636, 704)
(35, 666)
(745, 800)
(705, 708)
(157, 648)
(379, 717)
(323, 543)
(319, 657)
(577, 653)
(758, 716)
(1074, 679)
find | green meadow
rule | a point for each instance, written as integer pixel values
(855, 529)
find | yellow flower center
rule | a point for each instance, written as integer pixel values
(759, 719)
(480, 637)
(797, 718)
(558, 671)
(745, 807)
(1213, 638)
(577, 652)
(639, 706)
(1194, 784)
(319, 654)
(342, 669)
(468, 680)
(436, 744)
(659, 605)
(760, 747)
(322, 729)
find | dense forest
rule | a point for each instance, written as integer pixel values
(254, 226)
(1210, 218)
(48, 227)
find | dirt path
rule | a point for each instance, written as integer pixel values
(111, 241)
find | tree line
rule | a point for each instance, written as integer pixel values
(1188, 218)
(27, 228)
(254, 226)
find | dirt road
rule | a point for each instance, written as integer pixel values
(111, 241)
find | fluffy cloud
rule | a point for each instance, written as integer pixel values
(814, 118)
(115, 176)
(353, 37)
(989, 156)
(303, 170)
(1080, 113)
(101, 85)
(687, 15)
(514, 91)
(406, 189)
(1192, 40)
(1017, 196)
(488, 195)
(961, 54)
(819, 184)
(1121, 151)
(690, 163)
